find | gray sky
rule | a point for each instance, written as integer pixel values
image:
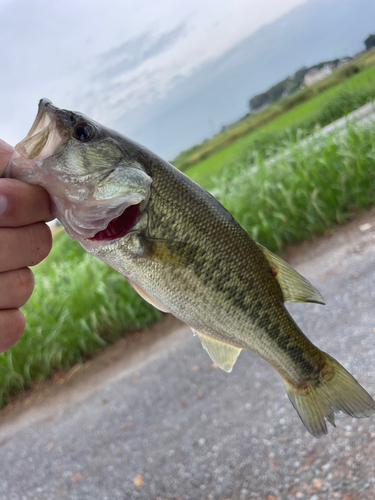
(116, 61)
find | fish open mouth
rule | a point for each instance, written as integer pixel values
(119, 226)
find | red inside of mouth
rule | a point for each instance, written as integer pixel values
(119, 226)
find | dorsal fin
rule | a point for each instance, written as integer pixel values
(295, 287)
(224, 355)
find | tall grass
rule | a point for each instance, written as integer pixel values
(79, 305)
(315, 184)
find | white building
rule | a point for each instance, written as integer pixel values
(315, 75)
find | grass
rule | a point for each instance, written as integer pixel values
(302, 120)
(79, 305)
(317, 184)
(251, 123)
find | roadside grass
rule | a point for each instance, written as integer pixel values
(79, 305)
(284, 112)
(316, 184)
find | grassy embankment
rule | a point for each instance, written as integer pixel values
(295, 123)
(80, 304)
(249, 123)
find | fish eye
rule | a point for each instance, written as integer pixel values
(83, 132)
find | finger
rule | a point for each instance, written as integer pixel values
(6, 152)
(25, 203)
(12, 325)
(24, 246)
(16, 286)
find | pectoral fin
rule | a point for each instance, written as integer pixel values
(148, 297)
(224, 355)
(174, 253)
(295, 287)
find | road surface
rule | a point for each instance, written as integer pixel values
(151, 419)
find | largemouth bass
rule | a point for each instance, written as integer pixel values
(185, 254)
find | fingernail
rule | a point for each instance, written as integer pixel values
(3, 204)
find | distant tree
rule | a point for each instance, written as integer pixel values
(370, 42)
(258, 101)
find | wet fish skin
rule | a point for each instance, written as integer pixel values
(187, 255)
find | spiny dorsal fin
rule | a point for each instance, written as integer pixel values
(295, 287)
(224, 355)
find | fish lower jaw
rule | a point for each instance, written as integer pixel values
(81, 224)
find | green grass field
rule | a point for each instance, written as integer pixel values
(250, 123)
(301, 120)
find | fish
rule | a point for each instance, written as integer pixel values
(184, 253)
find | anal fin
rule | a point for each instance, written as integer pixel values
(224, 355)
(147, 297)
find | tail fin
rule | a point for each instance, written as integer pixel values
(336, 391)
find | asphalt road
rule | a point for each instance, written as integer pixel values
(152, 419)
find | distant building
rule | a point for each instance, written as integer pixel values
(315, 75)
(343, 61)
(311, 77)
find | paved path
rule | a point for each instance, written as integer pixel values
(151, 419)
(365, 115)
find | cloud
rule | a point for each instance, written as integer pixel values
(82, 58)
(135, 52)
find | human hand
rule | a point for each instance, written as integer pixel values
(25, 240)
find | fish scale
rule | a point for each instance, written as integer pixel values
(184, 253)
